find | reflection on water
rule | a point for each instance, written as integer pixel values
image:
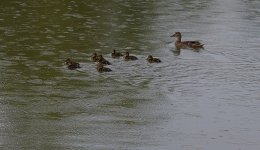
(205, 99)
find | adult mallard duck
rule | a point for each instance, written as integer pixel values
(129, 57)
(103, 61)
(115, 54)
(101, 68)
(94, 57)
(71, 64)
(186, 44)
(151, 59)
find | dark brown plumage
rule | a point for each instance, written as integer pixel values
(101, 68)
(151, 59)
(129, 57)
(115, 54)
(103, 61)
(94, 57)
(71, 64)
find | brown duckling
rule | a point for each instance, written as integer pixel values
(103, 61)
(115, 54)
(71, 64)
(151, 59)
(186, 44)
(94, 57)
(101, 68)
(129, 57)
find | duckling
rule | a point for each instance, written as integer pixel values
(74, 66)
(115, 54)
(71, 64)
(103, 61)
(101, 68)
(150, 59)
(129, 57)
(186, 44)
(94, 57)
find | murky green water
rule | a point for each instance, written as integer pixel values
(192, 100)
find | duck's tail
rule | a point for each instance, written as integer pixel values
(199, 46)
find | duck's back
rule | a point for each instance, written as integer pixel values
(130, 58)
(157, 60)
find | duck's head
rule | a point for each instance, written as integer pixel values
(127, 53)
(150, 57)
(94, 54)
(100, 56)
(114, 50)
(176, 34)
(68, 61)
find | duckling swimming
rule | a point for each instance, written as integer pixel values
(186, 44)
(115, 54)
(94, 57)
(103, 61)
(71, 64)
(129, 57)
(151, 59)
(101, 68)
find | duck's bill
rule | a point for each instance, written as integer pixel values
(172, 35)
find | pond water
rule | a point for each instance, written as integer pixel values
(193, 100)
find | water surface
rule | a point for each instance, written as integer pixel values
(205, 99)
